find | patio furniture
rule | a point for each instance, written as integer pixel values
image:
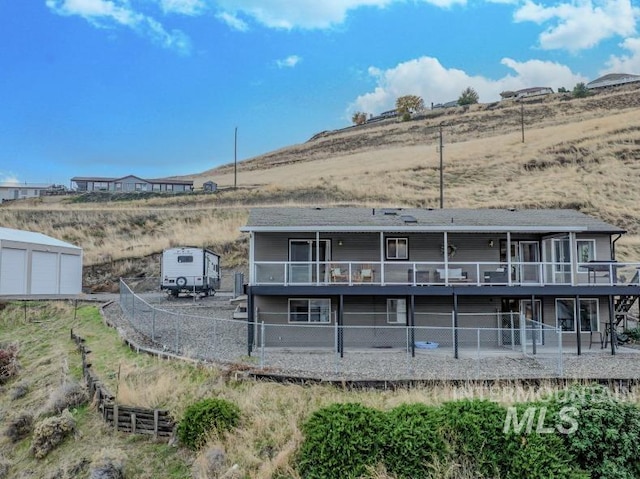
(338, 276)
(452, 274)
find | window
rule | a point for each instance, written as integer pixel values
(155, 187)
(586, 251)
(397, 311)
(310, 310)
(100, 185)
(169, 187)
(589, 314)
(397, 248)
(185, 259)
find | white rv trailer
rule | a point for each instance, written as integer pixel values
(189, 269)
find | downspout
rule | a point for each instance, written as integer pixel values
(613, 246)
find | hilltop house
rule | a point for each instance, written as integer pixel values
(526, 93)
(613, 80)
(129, 184)
(437, 267)
(21, 191)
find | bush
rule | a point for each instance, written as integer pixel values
(69, 395)
(8, 362)
(20, 390)
(19, 428)
(341, 440)
(50, 433)
(204, 417)
(607, 439)
(5, 466)
(474, 431)
(412, 440)
(107, 464)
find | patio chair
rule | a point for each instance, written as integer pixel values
(366, 275)
(337, 276)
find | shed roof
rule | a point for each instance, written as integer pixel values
(21, 236)
(394, 219)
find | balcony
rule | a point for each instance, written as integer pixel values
(354, 273)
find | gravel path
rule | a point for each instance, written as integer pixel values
(204, 330)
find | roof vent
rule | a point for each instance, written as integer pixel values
(391, 211)
(408, 219)
(511, 209)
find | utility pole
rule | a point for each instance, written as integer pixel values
(522, 119)
(235, 159)
(441, 171)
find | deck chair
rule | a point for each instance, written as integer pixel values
(366, 275)
(337, 276)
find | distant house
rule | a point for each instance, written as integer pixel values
(449, 104)
(21, 191)
(613, 80)
(526, 93)
(130, 184)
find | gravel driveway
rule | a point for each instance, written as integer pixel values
(203, 329)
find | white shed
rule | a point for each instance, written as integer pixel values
(36, 264)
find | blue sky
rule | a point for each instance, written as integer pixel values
(156, 87)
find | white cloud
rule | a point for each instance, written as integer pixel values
(580, 24)
(184, 7)
(308, 14)
(625, 63)
(106, 13)
(427, 78)
(8, 179)
(289, 62)
(233, 21)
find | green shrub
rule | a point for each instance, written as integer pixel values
(474, 431)
(539, 456)
(204, 417)
(412, 440)
(607, 439)
(340, 441)
(633, 333)
(49, 433)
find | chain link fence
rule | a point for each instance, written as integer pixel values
(498, 346)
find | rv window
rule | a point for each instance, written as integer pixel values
(185, 259)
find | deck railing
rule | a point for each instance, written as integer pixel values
(424, 273)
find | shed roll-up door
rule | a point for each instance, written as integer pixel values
(70, 274)
(44, 272)
(13, 271)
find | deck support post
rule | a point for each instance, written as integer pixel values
(455, 325)
(412, 323)
(576, 315)
(612, 335)
(340, 324)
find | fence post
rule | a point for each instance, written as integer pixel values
(262, 341)
(560, 357)
(513, 333)
(177, 332)
(523, 335)
(534, 334)
(409, 349)
(335, 347)
(478, 354)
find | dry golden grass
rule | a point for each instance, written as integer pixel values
(577, 154)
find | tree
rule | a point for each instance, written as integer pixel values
(562, 90)
(580, 90)
(405, 105)
(468, 97)
(359, 118)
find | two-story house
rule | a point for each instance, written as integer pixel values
(437, 267)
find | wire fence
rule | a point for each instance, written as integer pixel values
(499, 346)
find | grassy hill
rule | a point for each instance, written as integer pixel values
(577, 153)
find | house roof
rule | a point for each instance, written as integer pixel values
(111, 179)
(424, 220)
(21, 236)
(612, 79)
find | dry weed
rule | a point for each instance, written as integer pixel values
(50, 432)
